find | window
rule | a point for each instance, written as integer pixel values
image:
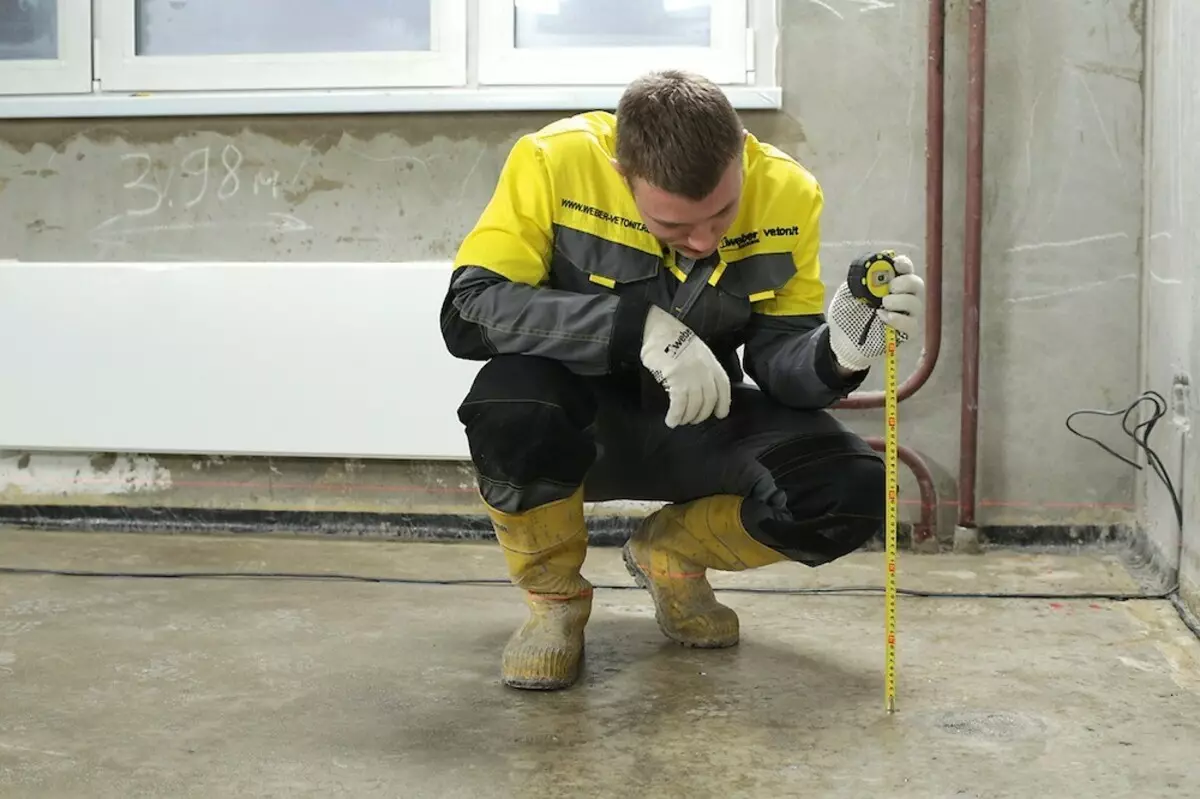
(42, 49)
(216, 45)
(539, 42)
(114, 58)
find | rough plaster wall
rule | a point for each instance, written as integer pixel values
(1062, 227)
(1063, 163)
(1172, 282)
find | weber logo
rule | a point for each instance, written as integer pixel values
(737, 242)
(675, 347)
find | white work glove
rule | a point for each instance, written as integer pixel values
(849, 317)
(682, 363)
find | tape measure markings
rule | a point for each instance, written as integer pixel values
(893, 493)
(870, 281)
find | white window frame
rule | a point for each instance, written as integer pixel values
(99, 76)
(120, 68)
(728, 59)
(71, 72)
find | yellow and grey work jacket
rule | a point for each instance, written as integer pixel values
(559, 265)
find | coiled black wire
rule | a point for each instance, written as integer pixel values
(1140, 433)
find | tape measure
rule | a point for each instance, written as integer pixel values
(893, 497)
(871, 276)
(870, 281)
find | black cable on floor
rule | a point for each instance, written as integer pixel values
(847, 590)
(844, 590)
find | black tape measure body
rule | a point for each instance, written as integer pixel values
(871, 275)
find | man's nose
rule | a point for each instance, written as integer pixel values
(703, 239)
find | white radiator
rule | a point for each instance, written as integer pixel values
(307, 359)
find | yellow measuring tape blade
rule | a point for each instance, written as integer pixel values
(893, 494)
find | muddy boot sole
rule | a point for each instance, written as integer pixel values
(561, 674)
(540, 684)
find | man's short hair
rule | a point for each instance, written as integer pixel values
(677, 131)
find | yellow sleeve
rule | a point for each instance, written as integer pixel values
(513, 236)
(804, 293)
(787, 349)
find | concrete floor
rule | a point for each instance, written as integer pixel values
(237, 687)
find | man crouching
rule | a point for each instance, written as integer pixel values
(620, 264)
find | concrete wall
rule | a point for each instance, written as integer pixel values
(1171, 326)
(1063, 224)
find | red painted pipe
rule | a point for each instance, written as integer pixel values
(934, 166)
(923, 531)
(935, 117)
(972, 264)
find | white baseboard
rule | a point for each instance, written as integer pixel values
(300, 359)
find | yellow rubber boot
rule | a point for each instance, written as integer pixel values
(545, 548)
(668, 556)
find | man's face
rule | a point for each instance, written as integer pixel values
(693, 228)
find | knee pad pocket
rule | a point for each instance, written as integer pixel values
(520, 442)
(530, 380)
(835, 486)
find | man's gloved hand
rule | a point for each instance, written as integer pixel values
(856, 330)
(682, 363)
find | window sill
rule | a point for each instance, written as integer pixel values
(367, 101)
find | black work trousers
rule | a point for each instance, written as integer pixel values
(813, 491)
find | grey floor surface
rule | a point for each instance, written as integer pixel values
(238, 687)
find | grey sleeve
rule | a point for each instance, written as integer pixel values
(790, 359)
(485, 314)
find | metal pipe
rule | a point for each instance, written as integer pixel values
(935, 115)
(923, 530)
(972, 266)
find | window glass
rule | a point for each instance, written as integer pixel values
(248, 27)
(613, 23)
(28, 29)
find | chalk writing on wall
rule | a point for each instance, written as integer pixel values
(189, 181)
(195, 191)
